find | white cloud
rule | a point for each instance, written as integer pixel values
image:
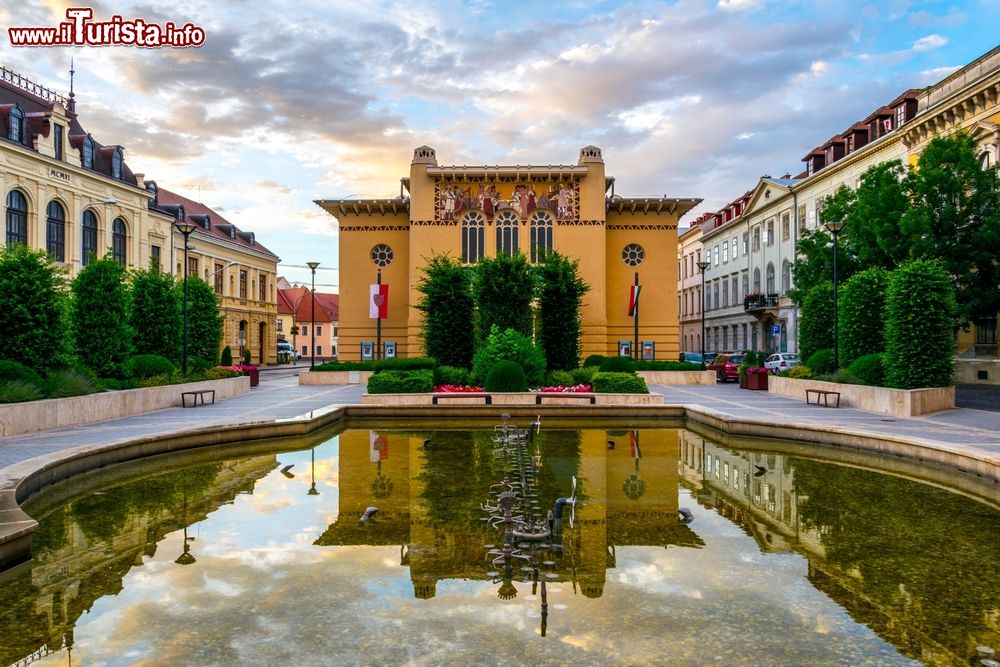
(739, 5)
(929, 43)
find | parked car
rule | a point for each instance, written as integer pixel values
(286, 352)
(726, 367)
(781, 361)
(691, 357)
(709, 356)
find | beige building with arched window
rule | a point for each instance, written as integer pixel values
(476, 211)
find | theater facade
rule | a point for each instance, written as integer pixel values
(471, 212)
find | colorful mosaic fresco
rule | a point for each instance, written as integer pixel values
(561, 198)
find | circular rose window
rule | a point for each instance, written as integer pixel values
(381, 255)
(633, 254)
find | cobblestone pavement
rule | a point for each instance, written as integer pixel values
(279, 395)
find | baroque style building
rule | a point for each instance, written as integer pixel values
(480, 211)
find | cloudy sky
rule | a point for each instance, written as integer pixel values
(291, 101)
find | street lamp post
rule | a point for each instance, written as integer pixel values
(834, 228)
(185, 228)
(703, 266)
(312, 329)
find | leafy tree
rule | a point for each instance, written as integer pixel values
(860, 301)
(814, 265)
(816, 322)
(204, 319)
(447, 307)
(100, 310)
(156, 314)
(503, 289)
(560, 298)
(33, 305)
(955, 217)
(872, 230)
(920, 311)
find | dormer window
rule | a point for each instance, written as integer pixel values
(900, 115)
(16, 133)
(57, 140)
(87, 154)
(116, 164)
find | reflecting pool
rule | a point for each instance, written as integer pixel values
(388, 547)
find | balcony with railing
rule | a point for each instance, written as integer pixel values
(758, 302)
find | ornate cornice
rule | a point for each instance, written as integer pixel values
(434, 223)
(375, 228)
(580, 223)
(618, 228)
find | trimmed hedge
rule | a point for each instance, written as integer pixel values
(148, 365)
(412, 364)
(585, 375)
(619, 383)
(919, 317)
(617, 365)
(401, 382)
(451, 375)
(11, 371)
(666, 366)
(861, 330)
(801, 372)
(593, 360)
(506, 376)
(560, 379)
(816, 321)
(870, 369)
(821, 361)
(512, 346)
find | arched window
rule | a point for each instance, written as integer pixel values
(541, 234)
(473, 237)
(16, 133)
(119, 241)
(507, 223)
(17, 218)
(55, 231)
(87, 154)
(786, 276)
(89, 236)
(756, 281)
(116, 164)
(770, 278)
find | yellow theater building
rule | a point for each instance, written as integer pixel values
(479, 211)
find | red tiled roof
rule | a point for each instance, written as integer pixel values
(191, 207)
(324, 312)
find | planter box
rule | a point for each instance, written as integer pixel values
(334, 377)
(254, 376)
(894, 402)
(18, 418)
(525, 398)
(756, 381)
(677, 377)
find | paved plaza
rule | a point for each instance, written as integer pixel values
(973, 432)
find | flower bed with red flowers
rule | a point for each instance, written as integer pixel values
(575, 389)
(455, 388)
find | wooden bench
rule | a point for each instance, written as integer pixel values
(825, 395)
(583, 396)
(435, 398)
(195, 395)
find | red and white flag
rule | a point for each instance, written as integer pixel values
(378, 447)
(633, 299)
(378, 301)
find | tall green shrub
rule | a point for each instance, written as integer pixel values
(33, 308)
(101, 328)
(560, 298)
(204, 319)
(227, 356)
(506, 376)
(155, 314)
(860, 301)
(816, 322)
(446, 302)
(512, 346)
(919, 311)
(503, 289)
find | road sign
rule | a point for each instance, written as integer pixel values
(776, 329)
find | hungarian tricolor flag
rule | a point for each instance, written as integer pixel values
(633, 444)
(378, 302)
(633, 299)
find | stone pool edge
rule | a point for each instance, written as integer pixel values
(22, 480)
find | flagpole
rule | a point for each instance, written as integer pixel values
(635, 320)
(378, 324)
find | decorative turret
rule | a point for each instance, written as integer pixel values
(425, 155)
(590, 154)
